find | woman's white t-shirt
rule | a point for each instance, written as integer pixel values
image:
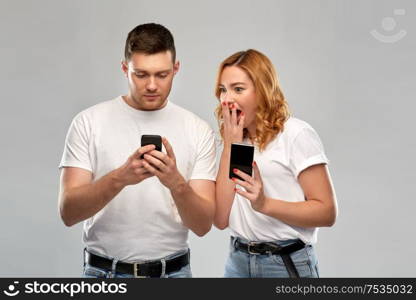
(290, 152)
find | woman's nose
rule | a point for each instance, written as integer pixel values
(227, 97)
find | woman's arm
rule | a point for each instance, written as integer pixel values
(319, 209)
(224, 191)
(224, 187)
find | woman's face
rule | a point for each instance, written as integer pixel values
(237, 88)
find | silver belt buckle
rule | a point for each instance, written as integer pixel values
(136, 269)
(251, 244)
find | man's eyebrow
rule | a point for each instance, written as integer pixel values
(144, 71)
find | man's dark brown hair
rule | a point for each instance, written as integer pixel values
(149, 38)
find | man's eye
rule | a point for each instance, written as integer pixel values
(140, 75)
(162, 75)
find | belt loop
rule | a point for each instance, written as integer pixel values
(85, 262)
(162, 274)
(233, 241)
(113, 267)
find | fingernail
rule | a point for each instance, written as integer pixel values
(224, 103)
(254, 163)
(235, 190)
(232, 106)
(233, 179)
(235, 170)
(242, 113)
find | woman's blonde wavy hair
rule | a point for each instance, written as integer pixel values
(272, 108)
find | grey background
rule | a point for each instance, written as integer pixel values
(59, 57)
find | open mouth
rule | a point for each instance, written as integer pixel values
(238, 112)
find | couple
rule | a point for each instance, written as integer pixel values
(138, 203)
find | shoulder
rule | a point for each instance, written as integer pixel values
(293, 126)
(301, 134)
(190, 118)
(96, 111)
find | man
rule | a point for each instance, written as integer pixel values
(137, 211)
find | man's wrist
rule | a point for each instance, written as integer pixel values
(116, 179)
(180, 186)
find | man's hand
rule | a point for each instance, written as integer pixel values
(164, 167)
(133, 171)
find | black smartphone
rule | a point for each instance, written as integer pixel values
(148, 139)
(242, 156)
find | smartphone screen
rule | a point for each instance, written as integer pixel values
(148, 139)
(242, 156)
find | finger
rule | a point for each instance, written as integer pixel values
(151, 169)
(243, 175)
(241, 121)
(142, 172)
(159, 155)
(256, 172)
(168, 147)
(243, 193)
(138, 153)
(225, 112)
(154, 162)
(243, 183)
(233, 114)
(139, 169)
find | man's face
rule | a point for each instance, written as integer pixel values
(150, 79)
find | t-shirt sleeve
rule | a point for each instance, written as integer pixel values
(204, 167)
(306, 150)
(76, 149)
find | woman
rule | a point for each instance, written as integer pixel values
(274, 214)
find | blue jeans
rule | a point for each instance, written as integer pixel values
(242, 264)
(94, 272)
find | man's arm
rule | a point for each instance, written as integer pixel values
(80, 197)
(195, 199)
(196, 204)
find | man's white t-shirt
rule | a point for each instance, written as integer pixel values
(292, 151)
(142, 221)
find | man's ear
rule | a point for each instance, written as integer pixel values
(124, 67)
(176, 67)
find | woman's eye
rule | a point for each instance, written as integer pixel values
(221, 90)
(239, 89)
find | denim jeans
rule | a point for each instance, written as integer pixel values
(94, 272)
(242, 264)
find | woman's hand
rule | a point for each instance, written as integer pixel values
(233, 128)
(254, 188)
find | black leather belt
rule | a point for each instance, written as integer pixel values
(145, 269)
(256, 248)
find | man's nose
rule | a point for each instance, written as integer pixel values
(151, 84)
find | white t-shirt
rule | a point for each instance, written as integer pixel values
(142, 221)
(293, 150)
